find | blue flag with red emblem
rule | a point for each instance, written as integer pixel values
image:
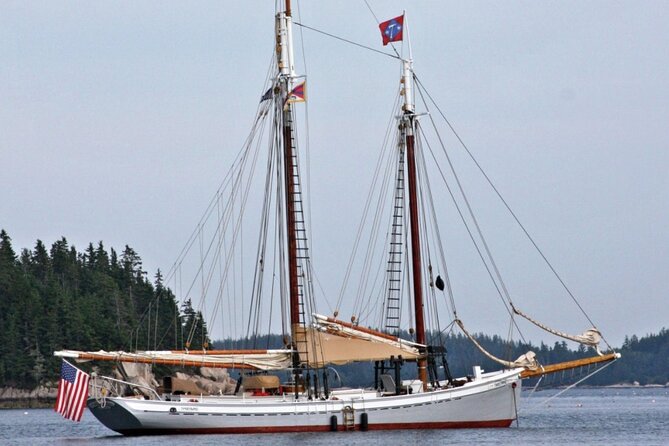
(391, 30)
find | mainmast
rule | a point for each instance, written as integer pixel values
(285, 58)
(407, 128)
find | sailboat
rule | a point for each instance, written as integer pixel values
(307, 402)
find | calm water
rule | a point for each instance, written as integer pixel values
(589, 416)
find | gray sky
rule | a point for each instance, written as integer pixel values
(118, 120)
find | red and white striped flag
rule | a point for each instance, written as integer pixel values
(72, 392)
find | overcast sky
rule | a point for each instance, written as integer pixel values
(118, 120)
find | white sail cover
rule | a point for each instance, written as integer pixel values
(263, 360)
(590, 337)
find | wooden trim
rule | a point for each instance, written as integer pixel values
(220, 352)
(416, 259)
(364, 330)
(177, 362)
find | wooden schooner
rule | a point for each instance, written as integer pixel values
(314, 342)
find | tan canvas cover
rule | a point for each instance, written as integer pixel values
(328, 348)
(184, 386)
(261, 382)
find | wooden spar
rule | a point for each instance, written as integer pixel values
(221, 352)
(568, 365)
(178, 362)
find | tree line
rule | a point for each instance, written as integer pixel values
(59, 298)
(644, 360)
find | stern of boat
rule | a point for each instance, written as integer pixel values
(114, 416)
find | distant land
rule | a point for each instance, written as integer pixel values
(55, 298)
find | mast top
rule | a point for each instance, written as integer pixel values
(407, 80)
(407, 74)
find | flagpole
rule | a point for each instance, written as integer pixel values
(406, 26)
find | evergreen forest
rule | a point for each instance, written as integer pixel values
(56, 298)
(644, 360)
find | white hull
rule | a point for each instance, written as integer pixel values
(490, 401)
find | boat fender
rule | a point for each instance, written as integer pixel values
(333, 423)
(364, 422)
(173, 410)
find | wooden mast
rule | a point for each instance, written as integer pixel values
(416, 264)
(284, 50)
(408, 122)
(289, 184)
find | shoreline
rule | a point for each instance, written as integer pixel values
(28, 403)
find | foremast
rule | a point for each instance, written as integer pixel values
(407, 130)
(286, 77)
(285, 59)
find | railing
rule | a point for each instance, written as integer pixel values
(100, 391)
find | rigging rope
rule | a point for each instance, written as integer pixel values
(513, 214)
(473, 239)
(367, 207)
(243, 196)
(528, 360)
(590, 337)
(174, 273)
(547, 400)
(472, 214)
(347, 41)
(364, 307)
(427, 206)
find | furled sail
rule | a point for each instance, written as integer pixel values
(527, 361)
(341, 328)
(590, 337)
(240, 359)
(330, 341)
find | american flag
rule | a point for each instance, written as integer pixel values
(72, 392)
